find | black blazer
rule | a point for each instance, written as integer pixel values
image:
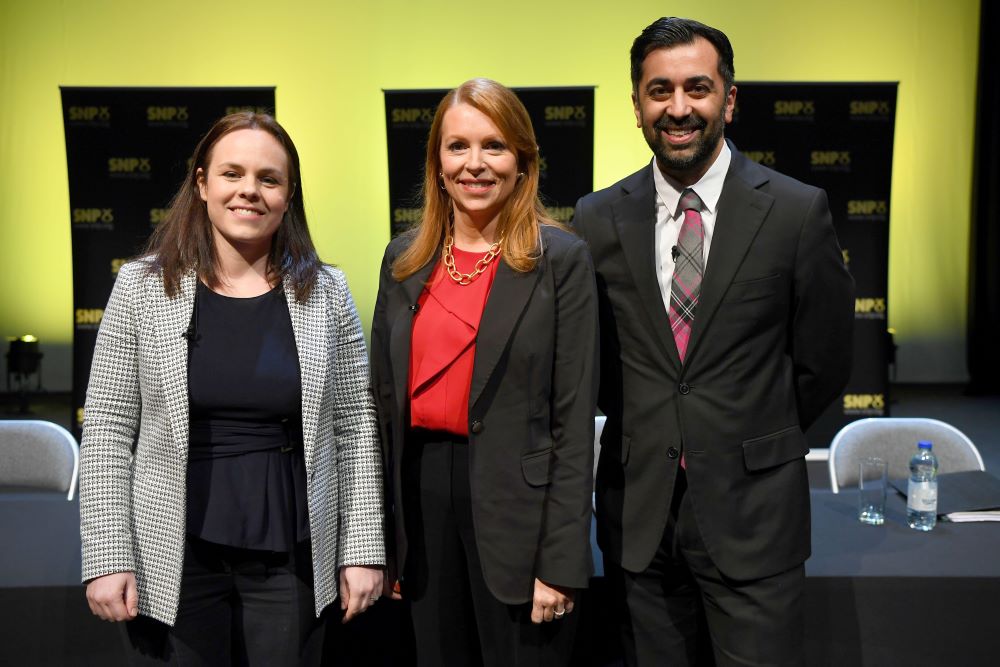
(770, 348)
(531, 409)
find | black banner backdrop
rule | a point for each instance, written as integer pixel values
(563, 119)
(127, 151)
(837, 136)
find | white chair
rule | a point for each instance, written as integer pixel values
(38, 455)
(894, 439)
(598, 429)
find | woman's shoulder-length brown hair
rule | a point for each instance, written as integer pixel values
(523, 212)
(183, 242)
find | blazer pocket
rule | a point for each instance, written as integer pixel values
(751, 290)
(536, 467)
(772, 450)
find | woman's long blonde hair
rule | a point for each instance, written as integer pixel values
(523, 212)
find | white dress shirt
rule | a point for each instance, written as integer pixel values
(669, 218)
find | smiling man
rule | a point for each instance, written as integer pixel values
(726, 316)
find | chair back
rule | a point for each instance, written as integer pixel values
(598, 429)
(38, 455)
(894, 439)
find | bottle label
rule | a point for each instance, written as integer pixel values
(921, 496)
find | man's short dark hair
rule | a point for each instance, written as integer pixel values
(669, 31)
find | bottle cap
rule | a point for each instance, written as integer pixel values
(925, 444)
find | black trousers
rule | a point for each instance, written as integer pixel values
(456, 619)
(237, 607)
(682, 611)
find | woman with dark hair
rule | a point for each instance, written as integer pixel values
(230, 477)
(484, 347)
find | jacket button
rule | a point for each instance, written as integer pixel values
(673, 453)
(477, 426)
(414, 307)
(684, 388)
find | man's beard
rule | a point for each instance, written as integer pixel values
(672, 161)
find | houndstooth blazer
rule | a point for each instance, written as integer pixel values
(133, 496)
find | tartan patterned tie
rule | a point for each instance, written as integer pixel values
(689, 266)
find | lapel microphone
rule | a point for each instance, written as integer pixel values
(674, 252)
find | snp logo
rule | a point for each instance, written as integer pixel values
(97, 115)
(128, 165)
(818, 158)
(93, 216)
(846, 254)
(869, 308)
(412, 116)
(157, 215)
(116, 264)
(88, 318)
(864, 404)
(79, 416)
(565, 114)
(804, 109)
(560, 213)
(765, 158)
(166, 115)
(406, 215)
(867, 209)
(830, 160)
(870, 108)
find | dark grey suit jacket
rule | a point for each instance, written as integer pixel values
(531, 409)
(770, 348)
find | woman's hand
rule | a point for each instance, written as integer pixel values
(550, 602)
(114, 597)
(360, 587)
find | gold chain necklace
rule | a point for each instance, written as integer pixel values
(481, 265)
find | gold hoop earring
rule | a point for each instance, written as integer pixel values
(441, 181)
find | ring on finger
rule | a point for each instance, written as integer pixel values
(559, 614)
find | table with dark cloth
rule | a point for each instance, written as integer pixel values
(889, 595)
(875, 595)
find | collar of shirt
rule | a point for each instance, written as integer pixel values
(708, 188)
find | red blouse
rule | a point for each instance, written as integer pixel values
(443, 345)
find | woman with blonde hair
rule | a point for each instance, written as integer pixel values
(484, 345)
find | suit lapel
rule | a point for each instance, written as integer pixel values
(171, 319)
(312, 332)
(401, 328)
(635, 220)
(740, 213)
(508, 297)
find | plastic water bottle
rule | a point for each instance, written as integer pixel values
(922, 490)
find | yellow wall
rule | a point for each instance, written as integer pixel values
(330, 59)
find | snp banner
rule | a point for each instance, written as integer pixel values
(127, 150)
(563, 119)
(837, 136)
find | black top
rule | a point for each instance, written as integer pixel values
(246, 471)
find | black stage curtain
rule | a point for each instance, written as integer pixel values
(984, 240)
